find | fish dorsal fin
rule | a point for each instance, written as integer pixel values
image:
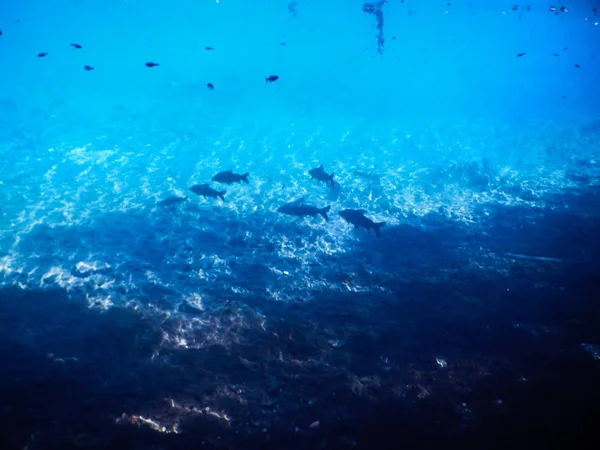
(321, 167)
(298, 201)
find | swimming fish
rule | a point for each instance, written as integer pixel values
(88, 68)
(300, 209)
(228, 177)
(41, 55)
(271, 78)
(151, 64)
(206, 191)
(172, 201)
(320, 175)
(210, 86)
(357, 218)
(76, 45)
(209, 48)
(521, 54)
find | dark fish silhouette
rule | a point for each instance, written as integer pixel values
(210, 86)
(0, 32)
(173, 200)
(209, 48)
(292, 8)
(357, 218)
(76, 45)
(206, 191)
(41, 55)
(271, 78)
(300, 209)
(521, 54)
(577, 65)
(151, 64)
(320, 175)
(228, 177)
(88, 68)
(555, 54)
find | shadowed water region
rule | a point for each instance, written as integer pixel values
(475, 338)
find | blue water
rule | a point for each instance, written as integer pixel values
(471, 322)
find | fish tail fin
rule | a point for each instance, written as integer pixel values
(331, 179)
(222, 195)
(377, 226)
(245, 178)
(324, 212)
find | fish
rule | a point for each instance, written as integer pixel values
(357, 218)
(173, 200)
(271, 78)
(555, 54)
(208, 48)
(228, 177)
(292, 8)
(76, 45)
(300, 209)
(206, 191)
(151, 64)
(88, 68)
(521, 54)
(320, 175)
(210, 86)
(0, 32)
(41, 55)
(577, 66)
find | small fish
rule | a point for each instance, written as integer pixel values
(206, 191)
(41, 55)
(577, 65)
(88, 68)
(76, 45)
(271, 78)
(0, 32)
(282, 44)
(565, 48)
(555, 54)
(228, 177)
(151, 64)
(521, 54)
(320, 175)
(209, 48)
(300, 209)
(210, 86)
(173, 200)
(528, 7)
(357, 218)
(563, 9)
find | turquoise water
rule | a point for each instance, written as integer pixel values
(447, 136)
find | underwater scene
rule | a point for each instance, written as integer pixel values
(309, 224)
